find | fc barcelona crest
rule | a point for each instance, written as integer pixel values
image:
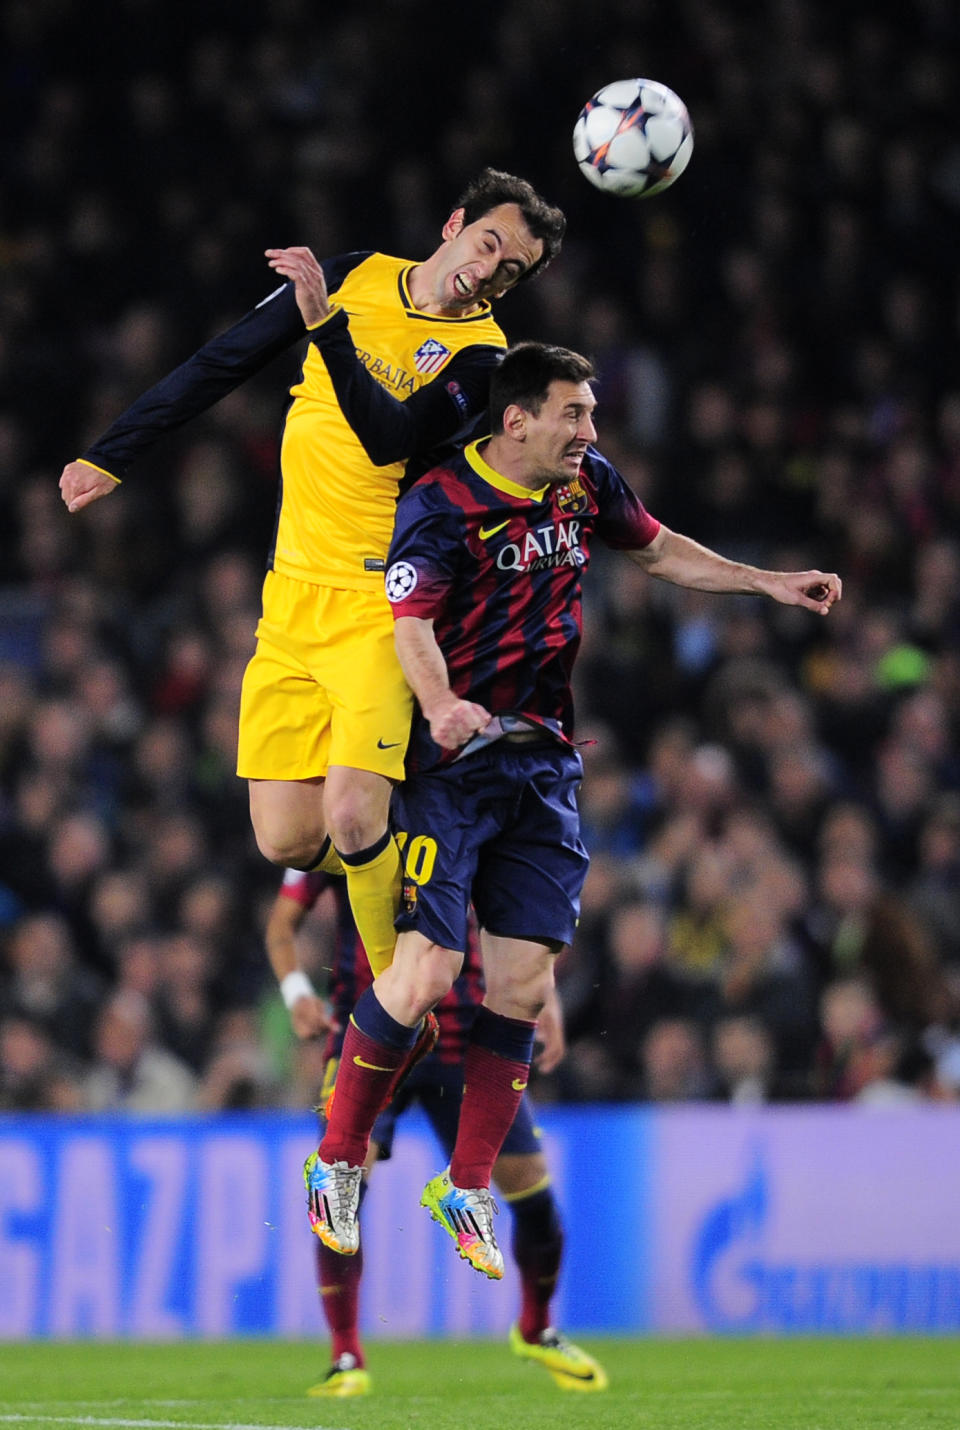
(430, 356)
(572, 498)
(408, 896)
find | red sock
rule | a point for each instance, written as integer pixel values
(493, 1087)
(363, 1077)
(338, 1280)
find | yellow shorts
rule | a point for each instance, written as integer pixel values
(323, 687)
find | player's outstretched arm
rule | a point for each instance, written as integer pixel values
(676, 558)
(217, 368)
(80, 484)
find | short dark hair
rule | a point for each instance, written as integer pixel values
(524, 376)
(493, 187)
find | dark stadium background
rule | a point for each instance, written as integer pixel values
(773, 802)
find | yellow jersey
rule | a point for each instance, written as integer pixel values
(382, 385)
(337, 508)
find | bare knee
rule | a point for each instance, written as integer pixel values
(435, 974)
(357, 805)
(420, 975)
(287, 821)
(288, 853)
(519, 997)
(519, 977)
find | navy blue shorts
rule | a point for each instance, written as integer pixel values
(502, 827)
(438, 1088)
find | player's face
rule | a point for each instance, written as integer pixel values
(484, 259)
(556, 439)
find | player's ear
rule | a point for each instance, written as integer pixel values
(515, 422)
(453, 224)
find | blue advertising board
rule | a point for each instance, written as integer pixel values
(695, 1220)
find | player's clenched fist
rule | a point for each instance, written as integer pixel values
(454, 722)
(80, 484)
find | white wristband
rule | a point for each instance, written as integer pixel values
(294, 986)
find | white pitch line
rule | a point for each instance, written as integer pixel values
(148, 1424)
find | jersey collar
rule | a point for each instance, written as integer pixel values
(483, 309)
(502, 484)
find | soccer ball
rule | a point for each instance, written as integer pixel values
(633, 138)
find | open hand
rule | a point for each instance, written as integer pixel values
(309, 284)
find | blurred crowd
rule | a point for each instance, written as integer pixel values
(772, 801)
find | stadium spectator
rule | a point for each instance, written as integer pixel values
(645, 984)
(131, 1071)
(237, 1074)
(857, 928)
(673, 1063)
(34, 1075)
(765, 975)
(743, 1058)
(47, 984)
(934, 890)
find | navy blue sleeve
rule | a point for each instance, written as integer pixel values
(424, 553)
(214, 370)
(391, 430)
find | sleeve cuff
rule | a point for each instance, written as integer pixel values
(86, 462)
(333, 322)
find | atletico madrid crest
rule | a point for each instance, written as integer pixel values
(430, 356)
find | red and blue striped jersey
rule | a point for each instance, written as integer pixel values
(350, 975)
(498, 569)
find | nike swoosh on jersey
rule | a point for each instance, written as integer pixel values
(486, 531)
(392, 746)
(517, 1085)
(372, 1066)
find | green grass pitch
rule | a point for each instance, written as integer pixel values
(900, 1384)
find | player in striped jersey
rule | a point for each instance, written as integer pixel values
(485, 575)
(520, 1172)
(398, 359)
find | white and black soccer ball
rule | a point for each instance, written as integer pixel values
(633, 138)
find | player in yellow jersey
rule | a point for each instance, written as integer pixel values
(398, 360)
